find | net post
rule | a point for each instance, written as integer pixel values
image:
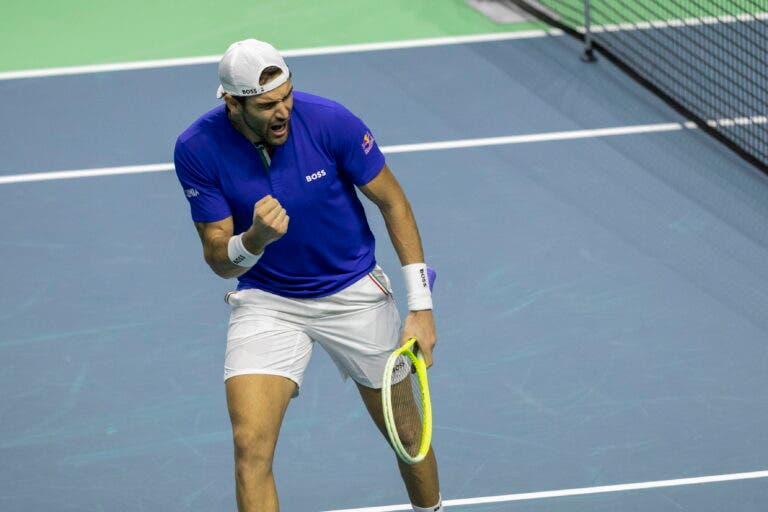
(588, 55)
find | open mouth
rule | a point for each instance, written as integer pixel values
(279, 129)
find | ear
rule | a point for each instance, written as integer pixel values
(233, 105)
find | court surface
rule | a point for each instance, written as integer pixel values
(601, 298)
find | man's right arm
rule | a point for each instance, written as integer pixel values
(270, 222)
(215, 237)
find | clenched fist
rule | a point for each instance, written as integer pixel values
(270, 222)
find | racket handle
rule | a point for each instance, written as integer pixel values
(431, 276)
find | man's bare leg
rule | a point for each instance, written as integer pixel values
(257, 404)
(421, 480)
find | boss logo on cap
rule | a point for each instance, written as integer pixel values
(250, 91)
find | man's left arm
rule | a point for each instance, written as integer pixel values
(385, 192)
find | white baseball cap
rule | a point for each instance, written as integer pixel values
(242, 65)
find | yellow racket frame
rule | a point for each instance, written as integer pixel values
(386, 401)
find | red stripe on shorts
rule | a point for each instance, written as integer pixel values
(385, 292)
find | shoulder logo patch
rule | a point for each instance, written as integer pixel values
(191, 192)
(368, 141)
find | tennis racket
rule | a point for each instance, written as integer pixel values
(406, 403)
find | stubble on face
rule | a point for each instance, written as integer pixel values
(267, 116)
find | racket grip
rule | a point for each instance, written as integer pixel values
(431, 276)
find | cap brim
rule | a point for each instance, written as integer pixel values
(220, 91)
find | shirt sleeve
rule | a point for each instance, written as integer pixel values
(356, 149)
(206, 200)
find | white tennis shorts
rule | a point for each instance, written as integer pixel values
(358, 327)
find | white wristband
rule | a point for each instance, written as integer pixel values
(417, 286)
(238, 254)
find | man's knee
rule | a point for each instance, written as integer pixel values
(254, 452)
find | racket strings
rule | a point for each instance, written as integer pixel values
(407, 406)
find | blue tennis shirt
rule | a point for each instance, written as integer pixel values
(329, 244)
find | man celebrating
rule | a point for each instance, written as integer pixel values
(270, 177)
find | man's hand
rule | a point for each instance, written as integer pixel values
(270, 222)
(421, 325)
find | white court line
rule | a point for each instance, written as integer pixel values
(301, 52)
(576, 492)
(403, 148)
(412, 148)
(536, 137)
(83, 173)
(685, 22)
(368, 47)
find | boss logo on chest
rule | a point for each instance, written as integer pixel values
(315, 175)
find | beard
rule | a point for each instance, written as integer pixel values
(271, 134)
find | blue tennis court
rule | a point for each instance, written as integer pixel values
(601, 299)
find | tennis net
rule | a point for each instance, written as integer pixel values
(706, 58)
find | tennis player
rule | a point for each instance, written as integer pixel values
(271, 176)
